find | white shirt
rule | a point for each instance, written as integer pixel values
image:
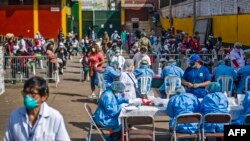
(120, 59)
(129, 84)
(138, 57)
(75, 44)
(237, 55)
(48, 127)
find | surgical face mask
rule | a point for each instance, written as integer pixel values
(93, 50)
(118, 54)
(192, 64)
(29, 102)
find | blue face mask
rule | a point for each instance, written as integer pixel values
(143, 66)
(29, 102)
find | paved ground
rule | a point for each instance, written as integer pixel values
(68, 98)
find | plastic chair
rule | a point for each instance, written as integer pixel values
(93, 124)
(170, 84)
(140, 134)
(226, 83)
(247, 87)
(219, 118)
(184, 119)
(145, 84)
(100, 83)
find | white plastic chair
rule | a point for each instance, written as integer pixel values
(247, 85)
(225, 84)
(100, 83)
(170, 83)
(145, 84)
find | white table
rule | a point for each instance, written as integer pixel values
(234, 111)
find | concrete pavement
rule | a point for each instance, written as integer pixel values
(68, 98)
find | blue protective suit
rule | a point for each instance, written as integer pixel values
(224, 70)
(246, 106)
(182, 104)
(143, 70)
(108, 110)
(173, 70)
(214, 103)
(194, 75)
(243, 73)
(109, 75)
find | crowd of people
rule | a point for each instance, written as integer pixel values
(122, 79)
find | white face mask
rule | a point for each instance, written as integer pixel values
(93, 49)
(118, 54)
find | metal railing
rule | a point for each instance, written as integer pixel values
(21, 68)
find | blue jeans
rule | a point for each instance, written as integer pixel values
(94, 81)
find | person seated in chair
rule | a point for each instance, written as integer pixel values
(222, 69)
(143, 71)
(170, 70)
(182, 103)
(110, 74)
(214, 102)
(243, 73)
(246, 105)
(109, 108)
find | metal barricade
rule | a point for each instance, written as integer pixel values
(21, 68)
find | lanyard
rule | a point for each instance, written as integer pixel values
(195, 75)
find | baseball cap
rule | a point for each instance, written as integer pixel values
(194, 58)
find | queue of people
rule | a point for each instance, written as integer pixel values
(122, 84)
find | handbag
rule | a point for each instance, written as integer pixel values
(137, 91)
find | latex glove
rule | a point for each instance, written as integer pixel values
(146, 102)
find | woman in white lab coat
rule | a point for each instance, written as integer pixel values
(128, 79)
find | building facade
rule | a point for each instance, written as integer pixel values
(27, 17)
(229, 18)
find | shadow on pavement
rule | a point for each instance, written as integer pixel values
(85, 100)
(81, 125)
(72, 79)
(69, 94)
(74, 72)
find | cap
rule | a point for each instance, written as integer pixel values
(144, 62)
(221, 62)
(194, 58)
(237, 44)
(115, 31)
(117, 86)
(213, 87)
(114, 44)
(171, 60)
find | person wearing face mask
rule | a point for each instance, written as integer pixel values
(109, 107)
(110, 74)
(142, 55)
(128, 78)
(214, 102)
(142, 71)
(96, 60)
(196, 77)
(237, 57)
(112, 52)
(36, 120)
(182, 103)
(243, 73)
(170, 70)
(119, 58)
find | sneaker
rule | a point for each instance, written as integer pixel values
(92, 96)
